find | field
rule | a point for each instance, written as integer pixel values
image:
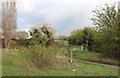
(60, 38)
(13, 65)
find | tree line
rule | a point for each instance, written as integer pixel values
(104, 37)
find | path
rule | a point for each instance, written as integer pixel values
(115, 66)
(100, 63)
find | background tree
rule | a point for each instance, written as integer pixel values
(105, 19)
(89, 35)
(8, 21)
(76, 37)
(79, 37)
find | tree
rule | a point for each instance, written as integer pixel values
(89, 35)
(118, 27)
(105, 19)
(0, 16)
(8, 21)
(42, 34)
(79, 37)
(0, 26)
(76, 37)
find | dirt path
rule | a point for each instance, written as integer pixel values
(100, 64)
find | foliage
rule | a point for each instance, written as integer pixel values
(118, 31)
(79, 37)
(42, 34)
(76, 37)
(38, 56)
(106, 22)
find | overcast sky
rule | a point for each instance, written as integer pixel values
(63, 15)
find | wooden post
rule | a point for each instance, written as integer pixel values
(71, 60)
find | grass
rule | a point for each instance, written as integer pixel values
(0, 62)
(13, 65)
(96, 57)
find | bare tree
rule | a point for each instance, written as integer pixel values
(8, 21)
(0, 26)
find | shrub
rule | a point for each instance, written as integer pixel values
(39, 56)
(42, 34)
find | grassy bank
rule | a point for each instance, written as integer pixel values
(13, 65)
(96, 57)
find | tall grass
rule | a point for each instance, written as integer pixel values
(39, 56)
(12, 65)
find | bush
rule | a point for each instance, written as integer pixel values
(42, 34)
(39, 56)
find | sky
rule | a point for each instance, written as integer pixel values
(63, 15)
